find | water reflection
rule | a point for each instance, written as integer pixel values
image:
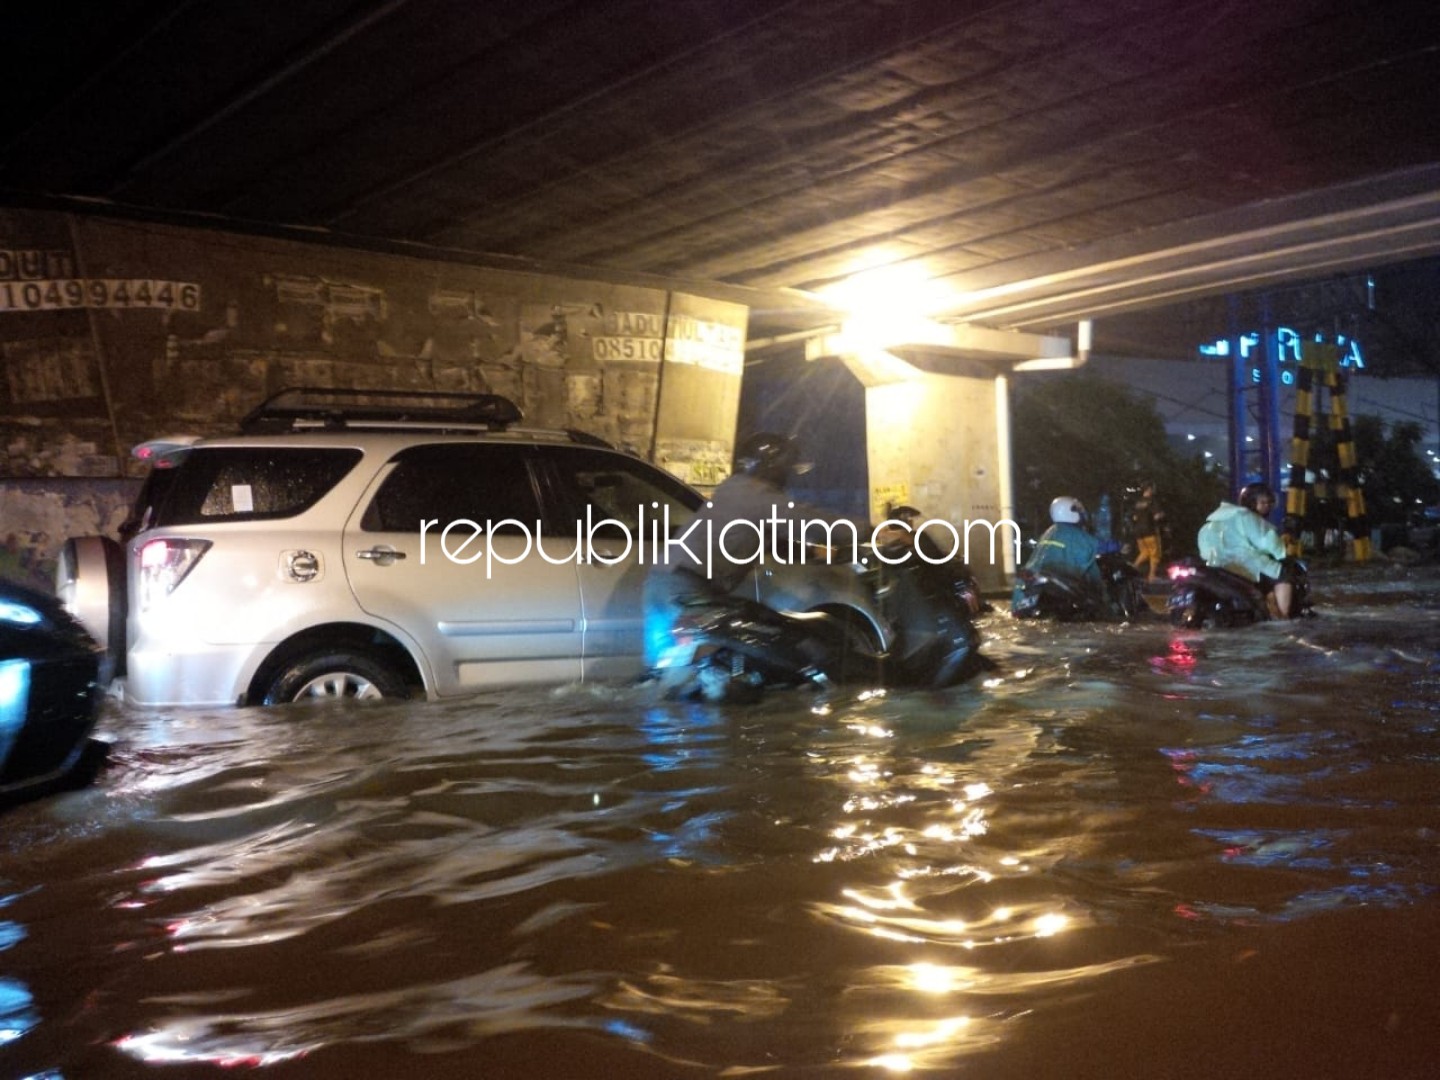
(17, 1007)
(588, 881)
(17, 1011)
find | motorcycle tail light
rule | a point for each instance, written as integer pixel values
(1180, 572)
(164, 565)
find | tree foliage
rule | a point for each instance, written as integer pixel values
(1393, 474)
(1075, 433)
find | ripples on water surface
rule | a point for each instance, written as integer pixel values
(1134, 852)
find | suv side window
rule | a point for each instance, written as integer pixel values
(446, 482)
(248, 483)
(614, 487)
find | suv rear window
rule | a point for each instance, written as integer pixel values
(227, 483)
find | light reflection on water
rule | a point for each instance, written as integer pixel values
(1124, 843)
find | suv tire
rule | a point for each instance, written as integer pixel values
(334, 674)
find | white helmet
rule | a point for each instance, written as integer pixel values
(1068, 509)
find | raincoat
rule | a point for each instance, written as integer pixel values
(1241, 541)
(1067, 550)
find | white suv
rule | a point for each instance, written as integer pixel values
(290, 561)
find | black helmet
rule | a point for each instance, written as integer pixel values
(1251, 494)
(768, 457)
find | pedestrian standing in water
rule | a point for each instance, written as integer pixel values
(1147, 519)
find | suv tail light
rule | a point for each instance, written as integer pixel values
(164, 564)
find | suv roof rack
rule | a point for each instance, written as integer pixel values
(298, 407)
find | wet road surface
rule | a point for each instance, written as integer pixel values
(1131, 852)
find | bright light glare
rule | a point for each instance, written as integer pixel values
(899, 1063)
(904, 289)
(1049, 925)
(943, 1032)
(932, 979)
(891, 305)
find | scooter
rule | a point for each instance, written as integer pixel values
(935, 568)
(912, 630)
(1041, 595)
(1201, 594)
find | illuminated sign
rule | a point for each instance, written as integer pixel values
(1287, 348)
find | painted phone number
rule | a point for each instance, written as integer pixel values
(59, 294)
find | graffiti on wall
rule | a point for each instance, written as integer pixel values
(707, 343)
(136, 329)
(233, 319)
(312, 308)
(581, 364)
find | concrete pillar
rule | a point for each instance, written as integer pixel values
(939, 443)
(938, 431)
(698, 398)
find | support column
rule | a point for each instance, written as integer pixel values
(935, 442)
(1269, 402)
(698, 397)
(1237, 405)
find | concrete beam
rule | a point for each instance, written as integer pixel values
(962, 349)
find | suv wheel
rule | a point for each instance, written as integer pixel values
(333, 675)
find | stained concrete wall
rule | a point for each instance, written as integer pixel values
(116, 331)
(38, 513)
(935, 442)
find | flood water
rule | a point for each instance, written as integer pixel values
(1130, 852)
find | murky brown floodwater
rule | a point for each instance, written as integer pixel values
(1135, 852)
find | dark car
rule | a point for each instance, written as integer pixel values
(52, 678)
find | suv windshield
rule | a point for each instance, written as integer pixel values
(226, 483)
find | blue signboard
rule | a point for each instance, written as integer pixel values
(1287, 345)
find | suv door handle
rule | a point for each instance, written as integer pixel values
(380, 556)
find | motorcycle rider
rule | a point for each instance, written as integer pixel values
(956, 573)
(1241, 540)
(1067, 548)
(753, 495)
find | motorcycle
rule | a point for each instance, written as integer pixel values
(938, 569)
(1200, 594)
(891, 625)
(1040, 594)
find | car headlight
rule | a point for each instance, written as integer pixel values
(13, 611)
